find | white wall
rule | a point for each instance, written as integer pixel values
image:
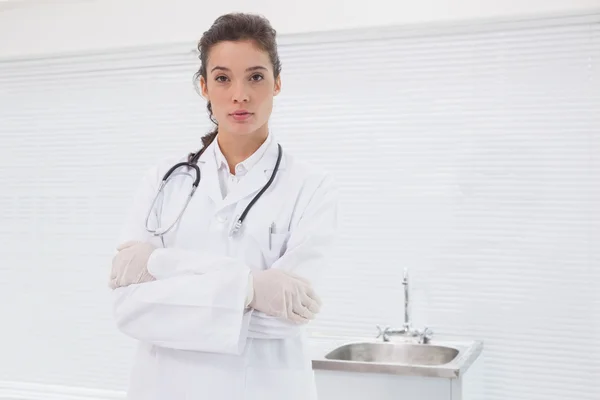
(96, 24)
(90, 25)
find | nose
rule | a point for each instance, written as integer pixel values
(240, 93)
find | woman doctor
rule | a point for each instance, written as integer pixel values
(216, 315)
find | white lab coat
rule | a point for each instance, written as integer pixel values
(196, 340)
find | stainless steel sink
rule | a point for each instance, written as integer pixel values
(400, 353)
(414, 354)
(401, 357)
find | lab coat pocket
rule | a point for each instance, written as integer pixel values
(270, 244)
(277, 244)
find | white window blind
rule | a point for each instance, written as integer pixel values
(468, 154)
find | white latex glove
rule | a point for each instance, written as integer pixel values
(282, 294)
(130, 265)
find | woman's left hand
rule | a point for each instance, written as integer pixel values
(130, 265)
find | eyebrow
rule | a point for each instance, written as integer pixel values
(255, 68)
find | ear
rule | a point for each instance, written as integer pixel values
(277, 86)
(204, 87)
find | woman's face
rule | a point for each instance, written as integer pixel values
(240, 87)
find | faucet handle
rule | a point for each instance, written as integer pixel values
(382, 332)
(425, 335)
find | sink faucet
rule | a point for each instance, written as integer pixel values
(407, 330)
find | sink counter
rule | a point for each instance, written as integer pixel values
(323, 358)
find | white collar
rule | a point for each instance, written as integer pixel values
(243, 167)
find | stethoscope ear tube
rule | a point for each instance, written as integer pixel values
(275, 170)
(238, 223)
(158, 231)
(184, 164)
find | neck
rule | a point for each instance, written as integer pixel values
(238, 148)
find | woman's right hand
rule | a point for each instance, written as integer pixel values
(282, 294)
(130, 264)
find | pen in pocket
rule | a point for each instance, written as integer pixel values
(271, 231)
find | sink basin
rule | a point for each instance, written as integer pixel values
(439, 359)
(395, 353)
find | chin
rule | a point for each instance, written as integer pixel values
(241, 130)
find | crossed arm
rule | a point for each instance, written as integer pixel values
(197, 301)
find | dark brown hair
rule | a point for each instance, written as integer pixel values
(235, 27)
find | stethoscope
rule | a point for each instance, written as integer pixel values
(193, 165)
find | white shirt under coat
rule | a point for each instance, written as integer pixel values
(228, 180)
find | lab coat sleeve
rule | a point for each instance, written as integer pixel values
(310, 243)
(309, 248)
(203, 312)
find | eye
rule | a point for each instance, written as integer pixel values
(256, 77)
(221, 78)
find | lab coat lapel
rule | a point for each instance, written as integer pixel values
(209, 176)
(257, 177)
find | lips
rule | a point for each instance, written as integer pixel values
(241, 115)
